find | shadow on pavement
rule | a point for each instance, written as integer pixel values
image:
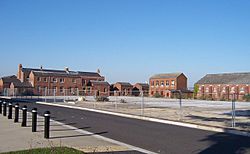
(208, 118)
(58, 130)
(240, 113)
(227, 144)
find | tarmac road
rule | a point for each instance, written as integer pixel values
(152, 136)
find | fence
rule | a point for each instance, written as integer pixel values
(227, 113)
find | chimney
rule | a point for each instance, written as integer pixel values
(67, 69)
(19, 74)
(41, 67)
(20, 66)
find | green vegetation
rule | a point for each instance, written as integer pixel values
(196, 89)
(247, 98)
(54, 150)
(157, 95)
(102, 99)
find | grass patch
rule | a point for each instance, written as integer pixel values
(54, 150)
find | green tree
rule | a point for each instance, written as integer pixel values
(196, 89)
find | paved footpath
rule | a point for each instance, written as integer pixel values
(152, 136)
(13, 137)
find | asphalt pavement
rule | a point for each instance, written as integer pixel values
(152, 136)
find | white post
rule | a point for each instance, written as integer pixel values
(54, 95)
(115, 93)
(233, 110)
(142, 103)
(64, 93)
(45, 94)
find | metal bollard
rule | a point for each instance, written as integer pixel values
(10, 111)
(4, 108)
(46, 124)
(34, 119)
(24, 122)
(1, 106)
(16, 113)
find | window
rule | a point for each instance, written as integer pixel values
(38, 79)
(242, 90)
(84, 82)
(61, 80)
(54, 80)
(54, 89)
(172, 83)
(167, 83)
(104, 90)
(61, 89)
(45, 79)
(153, 83)
(74, 80)
(162, 83)
(157, 83)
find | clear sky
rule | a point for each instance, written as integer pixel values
(128, 40)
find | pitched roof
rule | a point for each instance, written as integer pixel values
(124, 83)
(143, 84)
(9, 79)
(226, 78)
(57, 74)
(92, 74)
(166, 76)
(61, 73)
(20, 84)
(100, 82)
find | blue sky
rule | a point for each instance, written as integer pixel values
(128, 40)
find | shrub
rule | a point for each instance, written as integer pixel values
(102, 99)
(157, 95)
(247, 98)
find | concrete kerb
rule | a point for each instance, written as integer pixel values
(98, 136)
(188, 125)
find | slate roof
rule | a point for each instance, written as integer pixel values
(92, 74)
(17, 83)
(57, 74)
(9, 79)
(226, 78)
(61, 73)
(124, 83)
(166, 76)
(20, 84)
(100, 82)
(144, 85)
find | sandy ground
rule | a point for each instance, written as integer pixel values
(212, 113)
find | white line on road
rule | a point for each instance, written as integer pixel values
(201, 127)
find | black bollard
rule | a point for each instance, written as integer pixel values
(10, 111)
(16, 113)
(46, 124)
(1, 106)
(24, 122)
(34, 119)
(4, 108)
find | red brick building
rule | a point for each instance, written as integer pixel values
(9, 84)
(98, 88)
(55, 82)
(223, 86)
(124, 88)
(139, 87)
(164, 84)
